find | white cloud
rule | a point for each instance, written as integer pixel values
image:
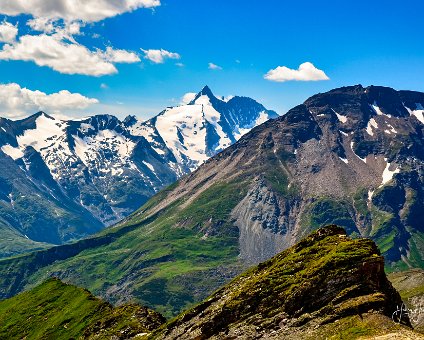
(16, 101)
(61, 28)
(180, 64)
(120, 56)
(159, 56)
(8, 32)
(66, 57)
(42, 25)
(213, 66)
(70, 10)
(104, 86)
(306, 72)
(187, 98)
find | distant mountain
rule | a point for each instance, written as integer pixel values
(353, 156)
(63, 180)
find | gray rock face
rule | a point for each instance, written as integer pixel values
(264, 227)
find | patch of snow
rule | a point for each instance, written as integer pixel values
(3, 129)
(239, 132)
(418, 113)
(203, 100)
(378, 110)
(149, 166)
(263, 117)
(344, 133)
(14, 153)
(362, 159)
(371, 124)
(344, 160)
(80, 148)
(86, 127)
(370, 193)
(341, 118)
(392, 129)
(47, 130)
(388, 174)
(116, 172)
(190, 123)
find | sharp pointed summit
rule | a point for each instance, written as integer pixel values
(207, 92)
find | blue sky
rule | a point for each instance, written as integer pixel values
(378, 42)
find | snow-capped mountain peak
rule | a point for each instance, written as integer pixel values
(205, 126)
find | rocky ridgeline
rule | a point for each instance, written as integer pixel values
(326, 283)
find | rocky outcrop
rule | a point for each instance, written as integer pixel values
(324, 280)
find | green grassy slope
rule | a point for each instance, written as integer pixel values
(13, 243)
(164, 261)
(54, 310)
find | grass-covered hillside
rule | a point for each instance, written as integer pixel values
(54, 310)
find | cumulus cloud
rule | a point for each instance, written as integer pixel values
(159, 56)
(16, 101)
(71, 10)
(120, 56)
(213, 66)
(306, 72)
(8, 32)
(42, 25)
(66, 57)
(61, 28)
(187, 98)
(59, 21)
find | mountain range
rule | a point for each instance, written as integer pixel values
(63, 180)
(352, 156)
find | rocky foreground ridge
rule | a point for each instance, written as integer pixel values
(326, 285)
